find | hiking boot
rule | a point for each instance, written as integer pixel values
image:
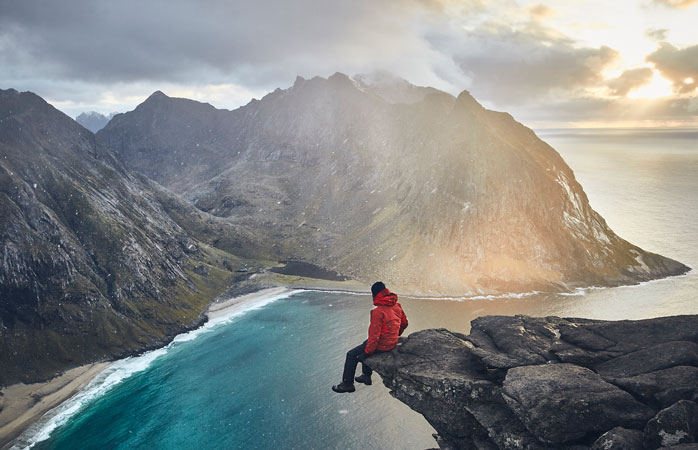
(344, 387)
(365, 379)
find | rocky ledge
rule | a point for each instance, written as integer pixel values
(552, 383)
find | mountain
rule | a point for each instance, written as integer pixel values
(384, 180)
(93, 120)
(95, 262)
(391, 88)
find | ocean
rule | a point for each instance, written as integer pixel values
(260, 378)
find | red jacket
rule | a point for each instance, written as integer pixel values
(388, 321)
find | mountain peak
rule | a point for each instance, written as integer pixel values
(157, 95)
(94, 121)
(340, 79)
(467, 100)
(392, 88)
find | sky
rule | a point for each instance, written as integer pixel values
(554, 63)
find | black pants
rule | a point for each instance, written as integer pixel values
(352, 361)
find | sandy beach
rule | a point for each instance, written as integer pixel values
(224, 307)
(23, 404)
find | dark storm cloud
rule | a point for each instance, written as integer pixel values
(176, 40)
(629, 80)
(680, 66)
(512, 65)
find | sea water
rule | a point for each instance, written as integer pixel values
(261, 378)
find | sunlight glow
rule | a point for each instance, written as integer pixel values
(657, 88)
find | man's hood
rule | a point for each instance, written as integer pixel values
(385, 298)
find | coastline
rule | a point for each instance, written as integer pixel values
(221, 308)
(22, 405)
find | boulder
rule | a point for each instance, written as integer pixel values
(677, 424)
(663, 387)
(560, 403)
(657, 357)
(619, 439)
(551, 383)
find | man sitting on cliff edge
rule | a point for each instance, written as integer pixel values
(388, 321)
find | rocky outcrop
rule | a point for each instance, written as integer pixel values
(552, 383)
(376, 178)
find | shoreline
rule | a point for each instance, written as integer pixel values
(222, 308)
(23, 405)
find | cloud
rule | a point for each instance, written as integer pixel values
(630, 80)
(656, 34)
(680, 66)
(541, 12)
(679, 4)
(108, 55)
(604, 112)
(260, 45)
(512, 65)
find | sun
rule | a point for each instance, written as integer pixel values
(657, 88)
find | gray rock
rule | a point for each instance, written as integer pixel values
(486, 390)
(681, 447)
(657, 357)
(677, 424)
(452, 390)
(502, 342)
(663, 387)
(619, 439)
(560, 403)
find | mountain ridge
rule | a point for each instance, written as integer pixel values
(443, 182)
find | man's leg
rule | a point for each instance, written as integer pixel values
(366, 371)
(351, 362)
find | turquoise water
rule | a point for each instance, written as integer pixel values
(262, 379)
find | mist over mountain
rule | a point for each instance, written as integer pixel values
(379, 179)
(95, 262)
(93, 120)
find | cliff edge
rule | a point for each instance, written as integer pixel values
(552, 383)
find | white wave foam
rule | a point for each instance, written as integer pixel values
(477, 297)
(330, 291)
(575, 293)
(102, 383)
(120, 371)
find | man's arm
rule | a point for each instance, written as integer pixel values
(403, 322)
(374, 331)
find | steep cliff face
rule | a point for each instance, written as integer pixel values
(551, 383)
(381, 179)
(92, 263)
